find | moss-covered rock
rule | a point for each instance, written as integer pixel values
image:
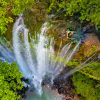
(89, 89)
(91, 44)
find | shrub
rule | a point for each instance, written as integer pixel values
(9, 8)
(88, 10)
(86, 87)
(10, 81)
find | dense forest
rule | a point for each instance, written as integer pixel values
(79, 18)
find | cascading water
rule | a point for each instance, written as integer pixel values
(19, 28)
(6, 55)
(35, 73)
(44, 66)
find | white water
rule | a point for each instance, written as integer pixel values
(6, 55)
(34, 72)
(17, 29)
(42, 58)
(44, 65)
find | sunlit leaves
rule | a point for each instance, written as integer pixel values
(86, 87)
(88, 10)
(8, 8)
(10, 81)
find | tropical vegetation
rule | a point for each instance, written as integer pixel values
(87, 81)
(10, 81)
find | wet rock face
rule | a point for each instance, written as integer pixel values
(65, 88)
(91, 44)
(92, 40)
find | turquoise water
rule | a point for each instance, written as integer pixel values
(48, 94)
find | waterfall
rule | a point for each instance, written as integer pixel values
(18, 28)
(41, 57)
(66, 54)
(6, 55)
(37, 72)
(36, 68)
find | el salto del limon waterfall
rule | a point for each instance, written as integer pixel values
(37, 59)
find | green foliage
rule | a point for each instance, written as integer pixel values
(9, 8)
(87, 80)
(86, 87)
(90, 51)
(92, 70)
(72, 64)
(10, 81)
(88, 10)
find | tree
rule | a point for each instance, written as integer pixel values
(88, 10)
(86, 87)
(11, 8)
(10, 81)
